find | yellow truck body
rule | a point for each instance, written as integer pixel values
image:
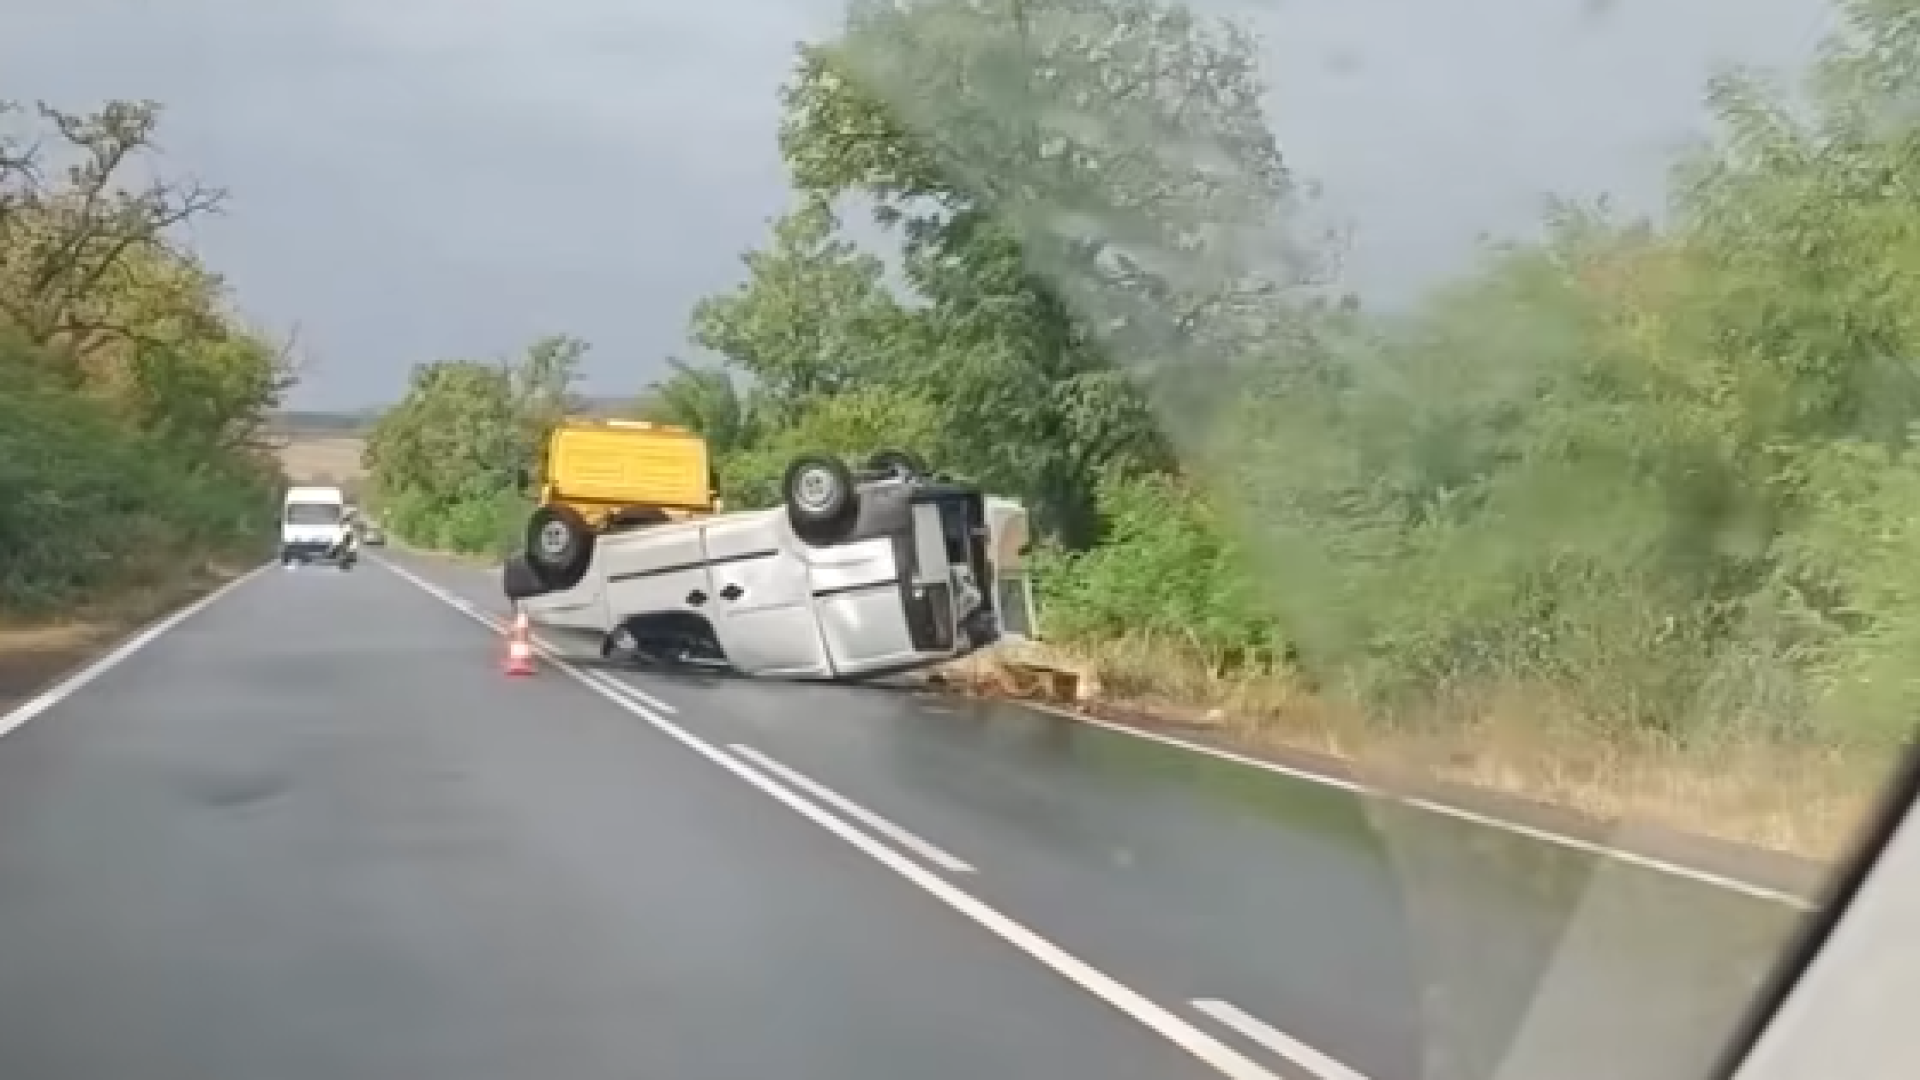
(603, 467)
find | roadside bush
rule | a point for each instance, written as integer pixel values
(88, 505)
(1166, 570)
(132, 397)
(854, 424)
(443, 464)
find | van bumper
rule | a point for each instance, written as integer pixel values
(518, 581)
(314, 551)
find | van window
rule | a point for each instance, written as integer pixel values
(311, 513)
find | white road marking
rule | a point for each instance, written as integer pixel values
(1292, 1049)
(56, 693)
(1574, 843)
(640, 695)
(546, 648)
(854, 810)
(1163, 1022)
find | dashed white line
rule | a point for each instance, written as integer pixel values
(854, 810)
(632, 691)
(54, 694)
(1288, 1047)
(1163, 1022)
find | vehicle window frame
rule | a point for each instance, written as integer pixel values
(287, 513)
(1819, 978)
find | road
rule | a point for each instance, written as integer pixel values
(312, 833)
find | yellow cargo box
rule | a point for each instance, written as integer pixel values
(627, 463)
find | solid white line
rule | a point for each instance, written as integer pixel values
(1293, 1050)
(1621, 855)
(545, 647)
(854, 810)
(1163, 1022)
(56, 693)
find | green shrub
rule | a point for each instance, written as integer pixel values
(1167, 568)
(88, 503)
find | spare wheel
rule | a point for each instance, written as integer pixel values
(818, 490)
(904, 464)
(559, 545)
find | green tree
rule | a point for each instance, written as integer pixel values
(446, 460)
(133, 399)
(815, 317)
(1086, 195)
(853, 424)
(72, 255)
(706, 400)
(542, 384)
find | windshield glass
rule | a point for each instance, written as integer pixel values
(313, 513)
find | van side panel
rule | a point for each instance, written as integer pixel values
(653, 570)
(761, 607)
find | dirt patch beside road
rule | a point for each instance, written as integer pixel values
(310, 458)
(35, 655)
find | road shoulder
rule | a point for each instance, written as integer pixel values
(1658, 846)
(36, 655)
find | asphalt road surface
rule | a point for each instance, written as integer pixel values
(311, 832)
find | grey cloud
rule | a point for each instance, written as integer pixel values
(416, 179)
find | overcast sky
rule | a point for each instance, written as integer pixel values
(421, 179)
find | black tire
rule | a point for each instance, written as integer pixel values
(559, 545)
(902, 463)
(819, 492)
(517, 579)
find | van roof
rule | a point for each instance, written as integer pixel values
(316, 494)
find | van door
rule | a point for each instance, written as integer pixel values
(761, 595)
(649, 571)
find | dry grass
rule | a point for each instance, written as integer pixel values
(1510, 741)
(329, 458)
(463, 558)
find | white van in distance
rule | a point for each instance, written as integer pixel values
(315, 525)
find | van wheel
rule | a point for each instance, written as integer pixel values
(904, 464)
(818, 490)
(559, 546)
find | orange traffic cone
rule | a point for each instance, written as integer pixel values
(519, 647)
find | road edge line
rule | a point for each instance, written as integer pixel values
(53, 695)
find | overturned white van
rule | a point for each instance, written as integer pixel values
(854, 576)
